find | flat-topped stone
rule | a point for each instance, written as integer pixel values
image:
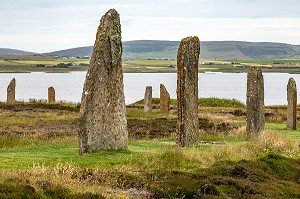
(255, 103)
(148, 100)
(187, 91)
(51, 95)
(291, 121)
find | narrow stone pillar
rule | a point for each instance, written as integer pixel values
(11, 91)
(102, 118)
(255, 103)
(291, 119)
(51, 95)
(164, 102)
(148, 100)
(187, 91)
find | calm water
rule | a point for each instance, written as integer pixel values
(69, 86)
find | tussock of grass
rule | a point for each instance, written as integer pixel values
(40, 104)
(203, 102)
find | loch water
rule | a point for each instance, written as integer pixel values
(68, 86)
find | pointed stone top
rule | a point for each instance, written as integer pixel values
(108, 44)
(291, 84)
(12, 84)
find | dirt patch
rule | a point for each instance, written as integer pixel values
(162, 127)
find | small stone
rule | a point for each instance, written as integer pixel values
(148, 100)
(51, 95)
(187, 91)
(255, 103)
(164, 102)
(11, 91)
(291, 121)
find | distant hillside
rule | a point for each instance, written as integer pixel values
(209, 50)
(73, 52)
(8, 51)
(168, 49)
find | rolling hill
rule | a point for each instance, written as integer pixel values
(8, 51)
(209, 50)
(168, 49)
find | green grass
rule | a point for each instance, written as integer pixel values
(217, 102)
(204, 102)
(236, 169)
(40, 157)
(281, 129)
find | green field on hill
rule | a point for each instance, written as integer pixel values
(53, 64)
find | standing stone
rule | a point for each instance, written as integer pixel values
(11, 91)
(164, 102)
(187, 91)
(102, 118)
(255, 103)
(51, 95)
(291, 121)
(148, 100)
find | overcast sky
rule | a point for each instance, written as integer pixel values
(49, 25)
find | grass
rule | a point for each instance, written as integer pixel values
(40, 159)
(203, 102)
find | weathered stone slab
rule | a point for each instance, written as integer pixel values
(187, 91)
(164, 102)
(291, 121)
(255, 103)
(11, 91)
(51, 95)
(102, 119)
(148, 100)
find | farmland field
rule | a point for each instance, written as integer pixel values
(49, 64)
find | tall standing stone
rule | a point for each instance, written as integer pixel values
(255, 103)
(291, 121)
(11, 91)
(102, 118)
(164, 102)
(51, 95)
(187, 91)
(148, 100)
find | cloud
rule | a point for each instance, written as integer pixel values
(50, 25)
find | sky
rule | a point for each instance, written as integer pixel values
(50, 25)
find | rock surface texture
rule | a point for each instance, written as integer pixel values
(102, 118)
(11, 91)
(148, 100)
(291, 121)
(187, 91)
(164, 102)
(255, 103)
(51, 95)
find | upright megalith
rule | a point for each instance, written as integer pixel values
(148, 100)
(51, 95)
(102, 118)
(187, 91)
(291, 119)
(164, 102)
(255, 103)
(11, 91)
